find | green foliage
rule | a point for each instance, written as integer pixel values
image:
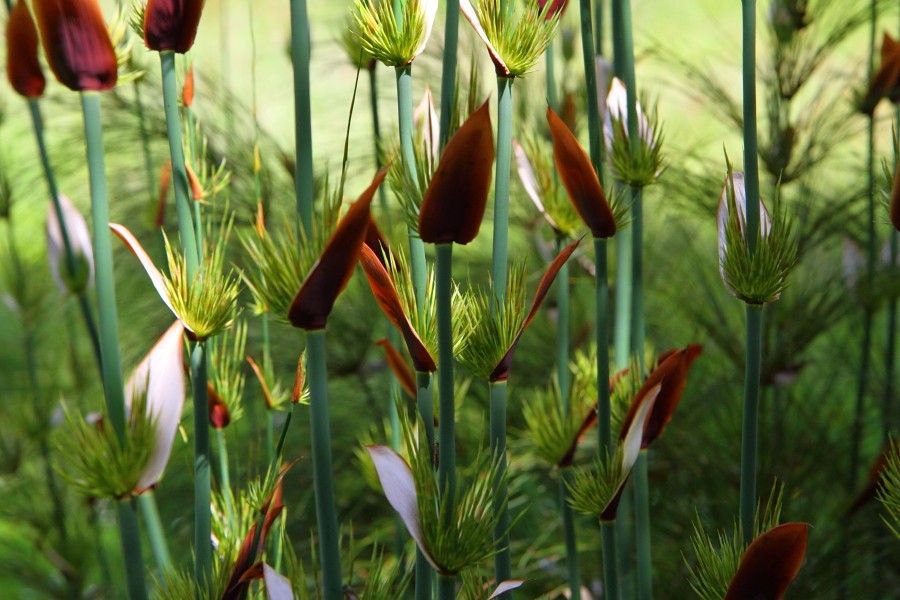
(551, 426)
(383, 37)
(889, 489)
(96, 463)
(637, 164)
(520, 37)
(553, 195)
(410, 191)
(226, 361)
(594, 486)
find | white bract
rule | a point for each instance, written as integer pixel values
(79, 242)
(724, 215)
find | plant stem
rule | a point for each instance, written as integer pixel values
(326, 511)
(598, 27)
(376, 139)
(571, 540)
(225, 476)
(637, 274)
(610, 575)
(424, 576)
(501, 188)
(751, 145)
(202, 483)
(446, 587)
(447, 443)
(448, 70)
(405, 110)
(563, 375)
(622, 327)
(590, 84)
(751, 415)
(425, 404)
(552, 92)
(155, 531)
(300, 50)
(890, 354)
(113, 384)
(179, 173)
(601, 335)
(642, 527)
(502, 564)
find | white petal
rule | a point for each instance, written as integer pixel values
(631, 445)
(506, 586)
(429, 8)
(278, 587)
(426, 119)
(79, 240)
(471, 16)
(604, 70)
(529, 181)
(400, 489)
(161, 376)
(740, 201)
(156, 277)
(617, 108)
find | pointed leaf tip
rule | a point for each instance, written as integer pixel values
(23, 67)
(770, 563)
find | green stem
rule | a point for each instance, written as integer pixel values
(179, 173)
(563, 375)
(326, 511)
(604, 417)
(202, 482)
(751, 144)
(447, 443)
(571, 540)
(424, 576)
(425, 404)
(113, 384)
(225, 477)
(590, 84)
(610, 576)
(448, 72)
(501, 187)
(502, 563)
(407, 133)
(642, 527)
(622, 332)
(376, 138)
(195, 204)
(598, 27)
(552, 93)
(155, 531)
(446, 587)
(637, 274)
(890, 354)
(145, 140)
(300, 50)
(270, 433)
(134, 563)
(751, 415)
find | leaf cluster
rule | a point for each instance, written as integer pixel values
(637, 164)
(552, 426)
(520, 37)
(226, 361)
(389, 39)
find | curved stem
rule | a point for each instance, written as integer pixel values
(179, 172)
(300, 50)
(448, 72)
(320, 425)
(447, 443)
(501, 188)
(202, 480)
(750, 420)
(502, 563)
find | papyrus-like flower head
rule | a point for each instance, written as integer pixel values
(395, 39)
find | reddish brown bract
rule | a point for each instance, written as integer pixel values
(886, 81)
(329, 276)
(219, 415)
(171, 24)
(580, 179)
(22, 65)
(454, 203)
(770, 563)
(77, 44)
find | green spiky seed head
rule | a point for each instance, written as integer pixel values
(395, 39)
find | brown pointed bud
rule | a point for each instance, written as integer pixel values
(389, 301)
(895, 198)
(187, 92)
(770, 563)
(454, 203)
(299, 377)
(581, 182)
(77, 45)
(671, 373)
(219, 415)
(329, 276)
(196, 186)
(171, 24)
(264, 386)
(398, 367)
(22, 65)
(165, 178)
(886, 81)
(501, 372)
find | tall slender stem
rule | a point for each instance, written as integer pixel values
(501, 187)
(751, 144)
(642, 527)
(751, 415)
(155, 531)
(447, 442)
(610, 548)
(637, 273)
(601, 332)
(550, 72)
(598, 27)
(113, 384)
(179, 172)
(446, 587)
(590, 83)
(448, 72)
(300, 53)
(202, 480)
(425, 404)
(320, 424)
(225, 476)
(502, 564)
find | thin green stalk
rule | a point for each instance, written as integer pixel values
(501, 187)
(637, 273)
(300, 50)
(610, 575)
(622, 326)
(601, 333)
(550, 72)
(130, 534)
(179, 173)
(424, 577)
(571, 539)
(890, 356)
(598, 27)
(446, 587)
(447, 441)
(425, 404)
(270, 433)
(202, 479)
(642, 527)
(448, 69)
(376, 138)
(195, 204)
(145, 140)
(155, 531)
(590, 84)
(407, 133)
(751, 414)
(563, 375)
(502, 563)
(225, 475)
(320, 425)
(751, 144)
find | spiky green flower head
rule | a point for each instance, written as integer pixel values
(394, 38)
(516, 33)
(637, 164)
(889, 488)
(350, 41)
(226, 372)
(757, 275)
(553, 426)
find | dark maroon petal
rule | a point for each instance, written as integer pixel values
(219, 415)
(886, 81)
(501, 372)
(171, 24)
(398, 367)
(22, 65)
(377, 242)
(556, 6)
(389, 301)
(770, 563)
(895, 198)
(578, 176)
(612, 507)
(454, 203)
(77, 44)
(329, 276)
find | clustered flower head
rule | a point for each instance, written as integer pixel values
(395, 39)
